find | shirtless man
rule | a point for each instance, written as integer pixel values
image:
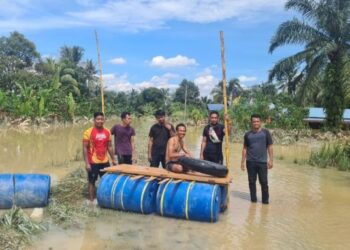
(175, 149)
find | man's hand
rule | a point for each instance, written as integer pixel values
(243, 165)
(114, 162)
(133, 159)
(201, 157)
(149, 158)
(269, 164)
(88, 167)
(167, 126)
(227, 118)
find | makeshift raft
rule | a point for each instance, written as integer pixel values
(191, 196)
(165, 174)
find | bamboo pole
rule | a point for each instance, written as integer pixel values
(100, 69)
(227, 142)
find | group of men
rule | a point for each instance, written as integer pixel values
(166, 145)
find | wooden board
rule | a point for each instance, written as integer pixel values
(162, 173)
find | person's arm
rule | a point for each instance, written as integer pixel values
(203, 145)
(85, 154)
(269, 143)
(171, 129)
(111, 153)
(270, 152)
(133, 157)
(244, 157)
(188, 153)
(112, 130)
(150, 144)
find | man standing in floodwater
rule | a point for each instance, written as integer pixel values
(97, 144)
(213, 135)
(175, 149)
(124, 136)
(159, 135)
(257, 144)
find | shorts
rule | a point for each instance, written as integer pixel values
(169, 166)
(95, 171)
(124, 159)
(213, 157)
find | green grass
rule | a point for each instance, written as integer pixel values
(17, 229)
(332, 155)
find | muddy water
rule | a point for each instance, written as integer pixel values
(309, 207)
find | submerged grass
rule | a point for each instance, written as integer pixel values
(332, 155)
(67, 205)
(17, 229)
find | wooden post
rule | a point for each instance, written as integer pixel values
(100, 69)
(227, 141)
(185, 116)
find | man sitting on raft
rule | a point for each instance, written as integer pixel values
(175, 149)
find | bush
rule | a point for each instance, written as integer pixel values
(332, 155)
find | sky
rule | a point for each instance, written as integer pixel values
(156, 43)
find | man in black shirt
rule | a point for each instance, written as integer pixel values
(213, 135)
(257, 143)
(159, 135)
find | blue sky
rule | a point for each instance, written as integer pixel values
(156, 42)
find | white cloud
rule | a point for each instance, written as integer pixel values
(121, 83)
(245, 79)
(177, 61)
(131, 15)
(206, 81)
(118, 60)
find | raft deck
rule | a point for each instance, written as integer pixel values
(165, 174)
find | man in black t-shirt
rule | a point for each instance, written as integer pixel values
(257, 145)
(159, 135)
(213, 135)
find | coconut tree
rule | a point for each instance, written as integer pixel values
(324, 32)
(233, 90)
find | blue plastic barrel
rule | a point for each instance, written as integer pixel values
(7, 191)
(121, 192)
(189, 200)
(32, 190)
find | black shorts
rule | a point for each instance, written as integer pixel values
(124, 159)
(169, 166)
(157, 159)
(95, 171)
(213, 157)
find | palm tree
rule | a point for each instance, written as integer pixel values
(233, 90)
(71, 54)
(325, 33)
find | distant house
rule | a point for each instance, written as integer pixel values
(215, 107)
(317, 117)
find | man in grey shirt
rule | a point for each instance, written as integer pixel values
(257, 144)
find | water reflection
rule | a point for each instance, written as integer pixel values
(309, 207)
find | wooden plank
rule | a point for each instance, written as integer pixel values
(162, 173)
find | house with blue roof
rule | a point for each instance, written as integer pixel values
(317, 116)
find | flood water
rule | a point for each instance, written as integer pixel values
(309, 207)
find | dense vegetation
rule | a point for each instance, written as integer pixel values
(35, 87)
(318, 74)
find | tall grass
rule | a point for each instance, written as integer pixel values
(16, 229)
(332, 155)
